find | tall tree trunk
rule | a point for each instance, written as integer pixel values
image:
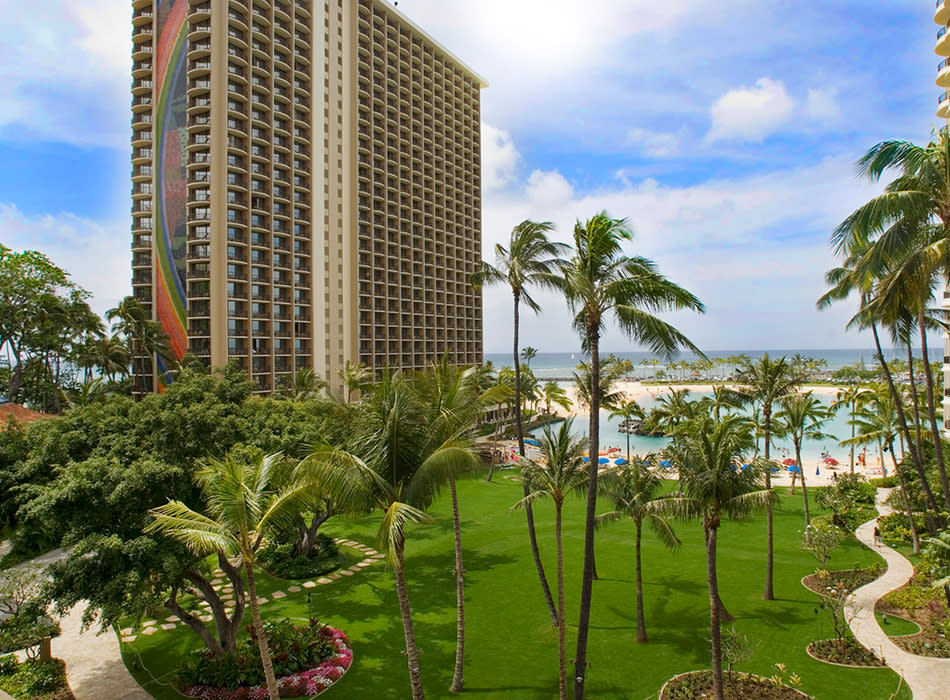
(798, 458)
(714, 610)
(458, 679)
(590, 520)
(902, 421)
(907, 509)
(307, 534)
(854, 406)
(932, 410)
(269, 677)
(769, 593)
(412, 651)
(641, 621)
(561, 622)
(914, 402)
(529, 511)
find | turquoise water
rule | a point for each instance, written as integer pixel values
(838, 426)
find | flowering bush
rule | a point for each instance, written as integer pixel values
(302, 681)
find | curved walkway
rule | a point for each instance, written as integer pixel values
(928, 678)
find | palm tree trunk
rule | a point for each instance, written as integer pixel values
(412, 651)
(561, 622)
(910, 514)
(269, 677)
(798, 458)
(932, 410)
(902, 421)
(641, 622)
(915, 404)
(714, 623)
(769, 593)
(590, 520)
(458, 679)
(854, 406)
(529, 511)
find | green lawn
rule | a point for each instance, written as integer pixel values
(511, 650)
(896, 626)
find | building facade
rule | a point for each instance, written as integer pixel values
(942, 17)
(305, 186)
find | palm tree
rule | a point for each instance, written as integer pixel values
(672, 409)
(529, 259)
(561, 474)
(711, 453)
(356, 378)
(304, 385)
(609, 376)
(600, 283)
(554, 393)
(633, 490)
(397, 464)
(876, 423)
(723, 397)
(626, 410)
(243, 505)
(528, 353)
(802, 417)
(453, 402)
(850, 397)
(766, 381)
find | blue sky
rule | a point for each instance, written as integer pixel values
(725, 131)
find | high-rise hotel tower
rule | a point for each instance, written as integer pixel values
(305, 186)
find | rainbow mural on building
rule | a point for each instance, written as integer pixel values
(170, 102)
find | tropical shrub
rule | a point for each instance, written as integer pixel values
(894, 527)
(279, 559)
(31, 678)
(888, 482)
(915, 595)
(295, 651)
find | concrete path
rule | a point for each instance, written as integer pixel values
(94, 665)
(928, 678)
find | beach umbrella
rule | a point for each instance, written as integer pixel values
(789, 462)
(666, 463)
(832, 461)
(603, 460)
(586, 459)
(746, 466)
(794, 468)
(619, 461)
(529, 441)
(817, 471)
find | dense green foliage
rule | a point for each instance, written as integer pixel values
(31, 679)
(282, 562)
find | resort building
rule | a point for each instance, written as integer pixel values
(942, 17)
(305, 187)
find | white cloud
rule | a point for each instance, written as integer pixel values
(822, 105)
(97, 256)
(750, 113)
(548, 190)
(655, 144)
(499, 157)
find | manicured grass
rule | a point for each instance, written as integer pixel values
(511, 646)
(896, 626)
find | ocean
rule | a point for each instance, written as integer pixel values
(560, 365)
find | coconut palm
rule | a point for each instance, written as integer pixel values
(356, 378)
(600, 283)
(397, 464)
(850, 397)
(304, 385)
(627, 410)
(453, 402)
(610, 374)
(723, 397)
(554, 393)
(766, 381)
(875, 423)
(802, 417)
(243, 505)
(528, 353)
(671, 409)
(633, 488)
(560, 474)
(715, 485)
(529, 260)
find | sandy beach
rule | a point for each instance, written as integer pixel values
(817, 472)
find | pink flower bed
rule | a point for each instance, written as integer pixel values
(311, 682)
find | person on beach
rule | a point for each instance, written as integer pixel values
(877, 533)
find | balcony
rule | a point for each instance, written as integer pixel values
(943, 41)
(943, 106)
(942, 15)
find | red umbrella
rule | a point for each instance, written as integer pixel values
(789, 462)
(832, 461)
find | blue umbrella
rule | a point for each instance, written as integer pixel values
(529, 441)
(586, 459)
(603, 460)
(794, 468)
(745, 466)
(666, 463)
(620, 460)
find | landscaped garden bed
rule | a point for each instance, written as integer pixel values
(851, 579)
(307, 660)
(281, 561)
(34, 680)
(924, 605)
(737, 686)
(844, 652)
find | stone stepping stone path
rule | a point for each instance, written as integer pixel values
(226, 591)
